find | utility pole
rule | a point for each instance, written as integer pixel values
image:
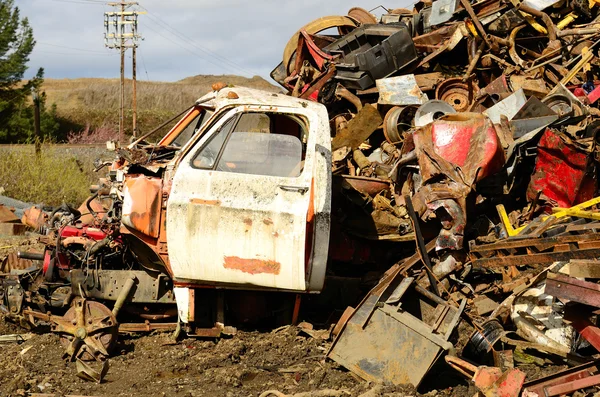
(134, 99)
(121, 32)
(122, 48)
(36, 122)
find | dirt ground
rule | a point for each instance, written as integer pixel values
(247, 364)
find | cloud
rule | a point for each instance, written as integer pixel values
(181, 37)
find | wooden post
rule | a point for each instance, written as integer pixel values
(122, 47)
(134, 102)
(36, 123)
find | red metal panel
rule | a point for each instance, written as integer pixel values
(561, 286)
(455, 139)
(570, 387)
(594, 95)
(561, 171)
(72, 231)
(540, 386)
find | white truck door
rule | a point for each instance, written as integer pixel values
(250, 201)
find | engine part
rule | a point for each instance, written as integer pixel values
(88, 330)
(456, 93)
(398, 120)
(431, 111)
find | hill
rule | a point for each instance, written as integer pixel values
(94, 103)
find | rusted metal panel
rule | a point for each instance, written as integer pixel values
(142, 202)
(107, 284)
(540, 386)
(13, 229)
(391, 349)
(574, 385)
(536, 259)
(7, 215)
(401, 91)
(540, 244)
(561, 286)
(358, 129)
(381, 342)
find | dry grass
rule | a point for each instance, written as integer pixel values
(52, 179)
(95, 102)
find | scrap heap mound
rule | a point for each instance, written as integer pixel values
(472, 125)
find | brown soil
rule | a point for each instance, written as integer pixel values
(154, 365)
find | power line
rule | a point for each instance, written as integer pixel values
(69, 53)
(144, 63)
(205, 50)
(88, 2)
(73, 48)
(189, 50)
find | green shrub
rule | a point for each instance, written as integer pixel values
(53, 178)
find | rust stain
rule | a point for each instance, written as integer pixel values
(252, 266)
(248, 222)
(268, 221)
(205, 202)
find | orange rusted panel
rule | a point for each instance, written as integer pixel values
(252, 266)
(34, 217)
(7, 214)
(205, 202)
(142, 203)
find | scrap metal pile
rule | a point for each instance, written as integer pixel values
(473, 125)
(466, 129)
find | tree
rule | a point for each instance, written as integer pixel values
(16, 44)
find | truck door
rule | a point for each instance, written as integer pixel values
(250, 202)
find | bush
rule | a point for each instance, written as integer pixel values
(53, 178)
(100, 135)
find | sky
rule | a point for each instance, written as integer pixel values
(181, 38)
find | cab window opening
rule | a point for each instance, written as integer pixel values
(261, 143)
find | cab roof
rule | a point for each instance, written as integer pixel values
(235, 96)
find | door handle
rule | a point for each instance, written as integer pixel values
(299, 189)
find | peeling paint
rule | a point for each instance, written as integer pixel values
(252, 266)
(205, 202)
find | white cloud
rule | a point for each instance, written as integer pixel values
(181, 37)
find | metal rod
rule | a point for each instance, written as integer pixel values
(421, 244)
(556, 58)
(477, 23)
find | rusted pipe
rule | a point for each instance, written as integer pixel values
(557, 58)
(543, 16)
(473, 62)
(498, 40)
(576, 32)
(342, 92)
(123, 295)
(499, 60)
(360, 159)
